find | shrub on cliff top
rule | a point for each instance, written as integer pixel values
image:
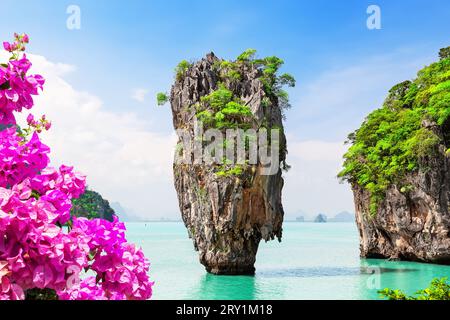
(247, 55)
(444, 53)
(161, 98)
(393, 139)
(269, 67)
(221, 109)
(181, 69)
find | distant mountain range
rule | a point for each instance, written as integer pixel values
(122, 214)
(321, 218)
(127, 215)
(343, 216)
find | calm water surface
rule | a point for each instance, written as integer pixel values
(314, 261)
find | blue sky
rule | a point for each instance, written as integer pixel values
(142, 41)
(343, 69)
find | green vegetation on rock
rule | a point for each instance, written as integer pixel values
(247, 55)
(181, 69)
(221, 110)
(222, 100)
(226, 171)
(393, 139)
(439, 289)
(444, 53)
(91, 205)
(161, 98)
(268, 67)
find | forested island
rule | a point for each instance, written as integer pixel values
(399, 168)
(92, 205)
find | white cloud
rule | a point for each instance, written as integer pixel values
(123, 160)
(139, 94)
(336, 101)
(311, 185)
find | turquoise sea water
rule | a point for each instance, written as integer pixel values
(314, 261)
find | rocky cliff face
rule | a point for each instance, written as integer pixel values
(227, 215)
(413, 224)
(399, 169)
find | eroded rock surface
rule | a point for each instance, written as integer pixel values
(226, 216)
(411, 224)
(399, 167)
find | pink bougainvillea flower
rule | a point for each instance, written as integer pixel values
(42, 276)
(30, 119)
(39, 248)
(8, 46)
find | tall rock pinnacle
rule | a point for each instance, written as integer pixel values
(229, 207)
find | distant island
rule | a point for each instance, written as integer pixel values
(91, 205)
(343, 216)
(127, 215)
(340, 217)
(321, 218)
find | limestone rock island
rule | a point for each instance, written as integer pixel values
(399, 169)
(227, 207)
